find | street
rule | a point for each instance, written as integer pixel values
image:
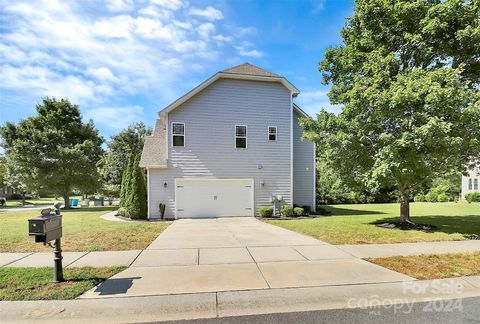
(440, 312)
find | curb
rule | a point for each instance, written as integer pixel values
(237, 303)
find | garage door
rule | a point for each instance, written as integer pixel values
(213, 197)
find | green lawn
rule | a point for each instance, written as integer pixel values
(83, 230)
(353, 224)
(37, 284)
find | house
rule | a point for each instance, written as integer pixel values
(228, 147)
(471, 182)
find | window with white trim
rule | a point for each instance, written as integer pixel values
(475, 184)
(178, 134)
(470, 184)
(272, 133)
(240, 136)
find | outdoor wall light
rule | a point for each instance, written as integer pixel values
(165, 184)
(262, 184)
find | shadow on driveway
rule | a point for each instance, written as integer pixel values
(115, 286)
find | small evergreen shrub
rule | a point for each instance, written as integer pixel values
(121, 212)
(306, 209)
(442, 197)
(473, 197)
(162, 210)
(266, 211)
(2, 201)
(286, 211)
(298, 211)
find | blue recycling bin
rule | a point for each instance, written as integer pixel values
(74, 202)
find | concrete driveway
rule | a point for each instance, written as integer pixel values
(229, 254)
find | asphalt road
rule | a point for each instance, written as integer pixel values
(438, 312)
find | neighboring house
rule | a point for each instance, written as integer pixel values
(228, 146)
(471, 182)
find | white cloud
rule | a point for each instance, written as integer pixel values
(204, 30)
(245, 49)
(119, 5)
(170, 4)
(135, 50)
(317, 6)
(208, 13)
(115, 117)
(221, 38)
(314, 100)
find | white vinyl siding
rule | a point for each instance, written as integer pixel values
(303, 167)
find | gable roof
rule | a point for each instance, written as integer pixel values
(250, 69)
(244, 71)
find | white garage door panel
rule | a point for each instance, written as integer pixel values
(213, 197)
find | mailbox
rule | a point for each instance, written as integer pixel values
(45, 228)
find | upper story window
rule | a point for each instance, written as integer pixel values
(240, 136)
(272, 133)
(475, 184)
(470, 184)
(178, 134)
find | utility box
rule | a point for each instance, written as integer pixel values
(45, 228)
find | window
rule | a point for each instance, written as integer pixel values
(272, 133)
(178, 134)
(470, 184)
(241, 136)
(475, 184)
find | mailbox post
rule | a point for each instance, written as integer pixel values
(46, 228)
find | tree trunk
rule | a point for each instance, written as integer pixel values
(23, 199)
(66, 198)
(405, 205)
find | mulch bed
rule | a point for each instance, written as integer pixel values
(289, 218)
(407, 226)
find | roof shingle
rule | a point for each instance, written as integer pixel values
(250, 69)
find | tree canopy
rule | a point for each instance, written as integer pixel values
(54, 150)
(408, 77)
(119, 148)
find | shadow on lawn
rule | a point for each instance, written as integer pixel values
(335, 211)
(468, 225)
(91, 209)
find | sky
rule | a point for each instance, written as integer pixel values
(122, 61)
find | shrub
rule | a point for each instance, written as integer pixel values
(121, 212)
(136, 193)
(442, 197)
(419, 198)
(473, 197)
(2, 201)
(299, 211)
(431, 197)
(307, 209)
(286, 210)
(162, 206)
(266, 211)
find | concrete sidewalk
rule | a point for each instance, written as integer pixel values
(237, 303)
(70, 259)
(404, 249)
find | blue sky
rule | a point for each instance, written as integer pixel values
(124, 60)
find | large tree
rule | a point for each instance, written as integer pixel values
(55, 150)
(113, 163)
(408, 77)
